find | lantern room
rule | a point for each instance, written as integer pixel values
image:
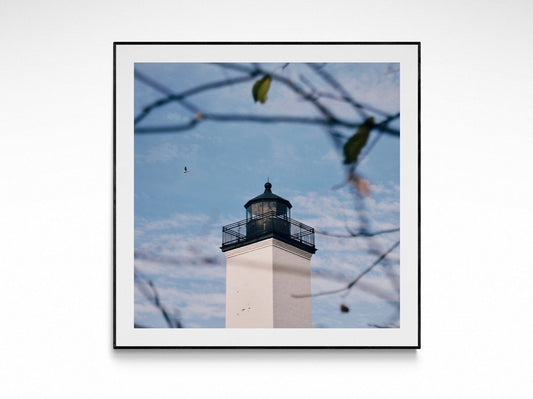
(268, 216)
(267, 203)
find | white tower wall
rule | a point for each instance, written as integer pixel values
(292, 276)
(261, 278)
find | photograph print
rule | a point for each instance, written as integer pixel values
(267, 195)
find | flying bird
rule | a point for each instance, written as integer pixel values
(185, 170)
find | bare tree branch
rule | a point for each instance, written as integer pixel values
(329, 118)
(152, 296)
(180, 97)
(167, 129)
(361, 233)
(353, 282)
(257, 119)
(337, 86)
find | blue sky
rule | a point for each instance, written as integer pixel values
(179, 217)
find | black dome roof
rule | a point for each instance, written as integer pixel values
(268, 196)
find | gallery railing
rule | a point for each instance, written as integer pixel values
(265, 225)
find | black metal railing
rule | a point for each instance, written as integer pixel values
(265, 225)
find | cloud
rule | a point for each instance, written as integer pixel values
(331, 155)
(180, 255)
(335, 211)
(194, 304)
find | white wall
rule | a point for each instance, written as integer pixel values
(260, 280)
(56, 214)
(292, 276)
(249, 294)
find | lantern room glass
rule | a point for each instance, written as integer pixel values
(271, 207)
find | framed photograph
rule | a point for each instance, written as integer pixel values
(267, 195)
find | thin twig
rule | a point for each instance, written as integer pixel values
(358, 234)
(353, 282)
(289, 83)
(153, 297)
(180, 97)
(337, 86)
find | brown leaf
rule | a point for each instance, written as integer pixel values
(360, 184)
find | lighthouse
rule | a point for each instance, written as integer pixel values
(268, 263)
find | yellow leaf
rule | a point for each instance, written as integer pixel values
(355, 144)
(260, 89)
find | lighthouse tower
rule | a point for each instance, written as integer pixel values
(268, 260)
